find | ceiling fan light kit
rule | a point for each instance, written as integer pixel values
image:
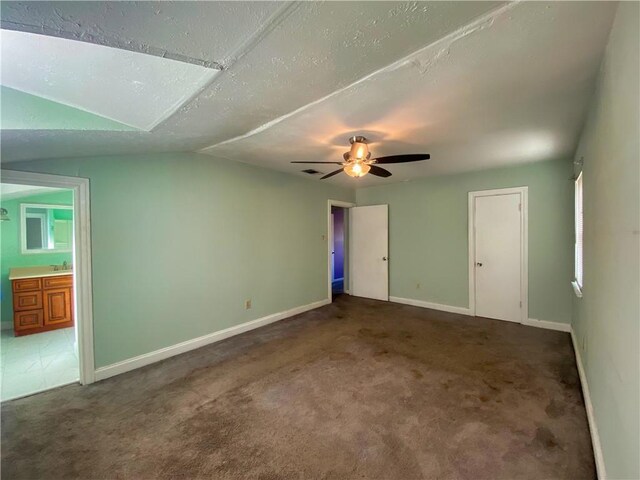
(357, 169)
(358, 162)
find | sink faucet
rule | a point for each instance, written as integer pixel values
(64, 266)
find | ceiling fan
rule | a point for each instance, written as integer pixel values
(358, 161)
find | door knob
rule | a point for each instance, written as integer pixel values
(384, 259)
(479, 264)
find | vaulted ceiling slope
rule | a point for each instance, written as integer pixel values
(476, 84)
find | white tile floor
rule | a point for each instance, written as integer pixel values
(37, 362)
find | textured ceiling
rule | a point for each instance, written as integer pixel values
(476, 84)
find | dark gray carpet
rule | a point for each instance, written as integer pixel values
(357, 389)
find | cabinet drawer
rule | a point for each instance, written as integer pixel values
(27, 301)
(27, 284)
(28, 319)
(57, 282)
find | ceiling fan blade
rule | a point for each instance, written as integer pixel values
(413, 157)
(379, 171)
(331, 174)
(332, 163)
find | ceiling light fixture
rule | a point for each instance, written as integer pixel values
(358, 161)
(357, 169)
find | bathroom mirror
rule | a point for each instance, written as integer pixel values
(46, 228)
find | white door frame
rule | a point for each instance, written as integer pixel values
(347, 271)
(81, 257)
(524, 246)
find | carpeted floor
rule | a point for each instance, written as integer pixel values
(356, 389)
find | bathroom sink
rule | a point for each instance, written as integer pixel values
(39, 271)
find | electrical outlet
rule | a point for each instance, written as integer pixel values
(247, 304)
(417, 286)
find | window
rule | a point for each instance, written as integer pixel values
(579, 232)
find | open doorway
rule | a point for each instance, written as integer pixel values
(38, 339)
(338, 259)
(338, 250)
(46, 336)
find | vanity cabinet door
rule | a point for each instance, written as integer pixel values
(57, 306)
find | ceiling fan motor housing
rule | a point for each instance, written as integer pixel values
(359, 150)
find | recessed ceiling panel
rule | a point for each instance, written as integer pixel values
(132, 88)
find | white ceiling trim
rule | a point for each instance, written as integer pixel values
(510, 88)
(441, 44)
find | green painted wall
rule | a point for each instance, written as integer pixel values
(11, 256)
(180, 241)
(428, 235)
(607, 318)
(23, 111)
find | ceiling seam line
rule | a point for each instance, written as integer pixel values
(449, 39)
(276, 19)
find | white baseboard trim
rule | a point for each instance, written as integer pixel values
(593, 427)
(561, 327)
(434, 306)
(532, 322)
(167, 352)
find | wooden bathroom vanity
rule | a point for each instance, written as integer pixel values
(42, 299)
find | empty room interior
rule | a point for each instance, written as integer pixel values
(337, 240)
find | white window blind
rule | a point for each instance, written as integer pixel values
(579, 232)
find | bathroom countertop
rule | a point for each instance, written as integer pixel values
(33, 272)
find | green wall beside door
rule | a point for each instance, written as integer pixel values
(428, 235)
(606, 319)
(180, 241)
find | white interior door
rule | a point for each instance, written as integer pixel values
(370, 251)
(498, 256)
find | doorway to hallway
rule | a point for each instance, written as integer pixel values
(337, 250)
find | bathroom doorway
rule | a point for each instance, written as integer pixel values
(38, 337)
(43, 338)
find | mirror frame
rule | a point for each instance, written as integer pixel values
(23, 227)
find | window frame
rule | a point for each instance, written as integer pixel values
(578, 260)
